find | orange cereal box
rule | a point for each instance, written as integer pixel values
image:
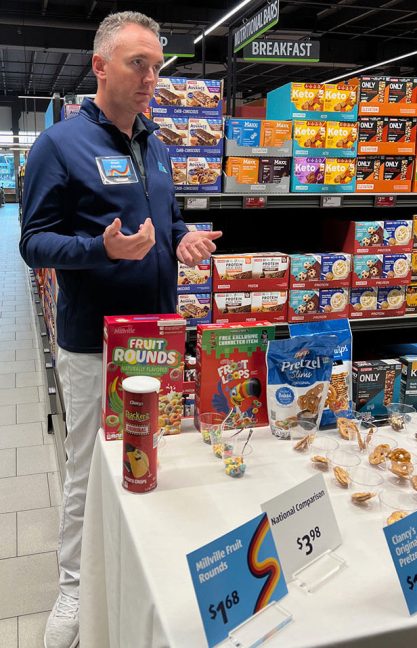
(340, 97)
(143, 345)
(231, 372)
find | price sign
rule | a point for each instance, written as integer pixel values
(402, 542)
(303, 524)
(235, 576)
(254, 202)
(385, 201)
(196, 202)
(331, 201)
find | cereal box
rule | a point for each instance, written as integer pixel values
(402, 90)
(307, 96)
(309, 134)
(320, 270)
(204, 170)
(170, 92)
(173, 131)
(143, 345)
(273, 169)
(341, 135)
(195, 308)
(376, 384)
(275, 133)
(398, 234)
(339, 171)
(319, 304)
(373, 89)
(340, 97)
(179, 170)
(204, 132)
(204, 93)
(231, 372)
(308, 171)
(246, 132)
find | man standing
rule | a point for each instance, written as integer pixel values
(99, 206)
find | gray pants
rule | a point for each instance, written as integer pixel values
(80, 375)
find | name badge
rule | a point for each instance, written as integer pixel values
(116, 170)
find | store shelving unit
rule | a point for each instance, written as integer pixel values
(54, 400)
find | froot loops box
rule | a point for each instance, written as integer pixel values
(143, 345)
(231, 372)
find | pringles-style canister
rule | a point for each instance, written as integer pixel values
(140, 432)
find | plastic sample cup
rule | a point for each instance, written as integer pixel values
(302, 435)
(396, 504)
(401, 466)
(379, 449)
(356, 428)
(400, 416)
(341, 463)
(235, 453)
(319, 448)
(365, 485)
(210, 422)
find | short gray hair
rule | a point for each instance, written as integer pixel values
(104, 40)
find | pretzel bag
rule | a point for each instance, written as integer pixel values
(299, 371)
(339, 396)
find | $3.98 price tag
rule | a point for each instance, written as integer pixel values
(306, 542)
(235, 576)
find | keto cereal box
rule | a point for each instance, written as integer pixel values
(341, 135)
(143, 345)
(340, 97)
(231, 372)
(309, 134)
(339, 171)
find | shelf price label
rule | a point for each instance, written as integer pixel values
(254, 202)
(385, 201)
(235, 576)
(402, 542)
(303, 524)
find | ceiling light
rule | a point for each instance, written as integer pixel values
(171, 60)
(372, 67)
(222, 20)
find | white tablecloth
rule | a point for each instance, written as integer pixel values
(136, 589)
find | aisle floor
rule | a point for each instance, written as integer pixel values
(30, 489)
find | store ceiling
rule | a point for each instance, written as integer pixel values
(45, 45)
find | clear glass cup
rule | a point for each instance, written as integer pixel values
(396, 504)
(319, 448)
(235, 453)
(302, 435)
(378, 450)
(342, 461)
(400, 416)
(210, 422)
(365, 485)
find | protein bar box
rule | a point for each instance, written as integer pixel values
(409, 379)
(376, 384)
(250, 272)
(143, 345)
(231, 372)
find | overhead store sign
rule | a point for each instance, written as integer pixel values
(263, 20)
(282, 50)
(177, 44)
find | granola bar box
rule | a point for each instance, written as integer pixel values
(231, 371)
(196, 279)
(250, 272)
(376, 384)
(143, 345)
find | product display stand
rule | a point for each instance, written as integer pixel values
(312, 576)
(260, 627)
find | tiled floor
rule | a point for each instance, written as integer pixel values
(30, 492)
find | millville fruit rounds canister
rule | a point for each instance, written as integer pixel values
(140, 432)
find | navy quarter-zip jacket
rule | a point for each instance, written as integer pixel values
(66, 208)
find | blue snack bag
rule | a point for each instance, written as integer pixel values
(339, 396)
(299, 371)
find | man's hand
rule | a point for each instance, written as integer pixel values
(134, 247)
(194, 247)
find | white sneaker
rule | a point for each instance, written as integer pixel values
(62, 626)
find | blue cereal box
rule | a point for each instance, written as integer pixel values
(398, 234)
(246, 132)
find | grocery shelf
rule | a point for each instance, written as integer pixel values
(296, 200)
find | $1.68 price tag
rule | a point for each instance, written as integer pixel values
(235, 576)
(303, 524)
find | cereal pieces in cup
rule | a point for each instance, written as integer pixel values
(211, 422)
(235, 453)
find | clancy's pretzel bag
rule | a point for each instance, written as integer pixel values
(339, 396)
(299, 371)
